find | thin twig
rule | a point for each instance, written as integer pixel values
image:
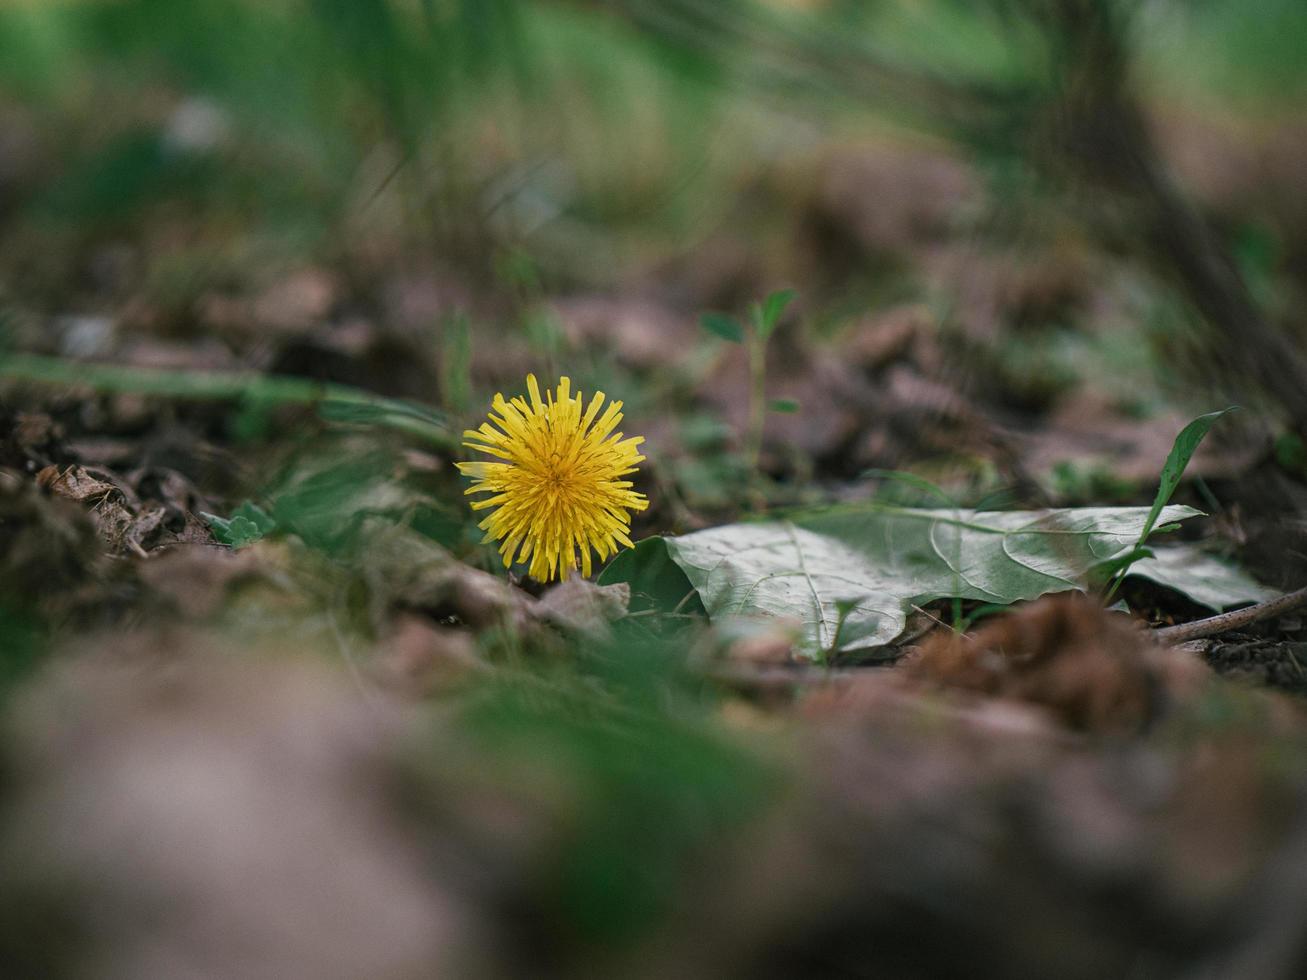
(1225, 622)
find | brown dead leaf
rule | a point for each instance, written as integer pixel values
(123, 522)
(292, 305)
(909, 333)
(196, 579)
(1088, 428)
(29, 440)
(34, 430)
(887, 198)
(580, 606)
(771, 644)
(77, 483)
(923, 416)
(421, 659)
(47, 547)
(643, 334)
(405, 570)
(1093, 670)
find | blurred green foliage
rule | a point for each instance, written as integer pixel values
(510, 121)
(648, 788)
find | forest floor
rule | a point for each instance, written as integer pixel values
(355, 745)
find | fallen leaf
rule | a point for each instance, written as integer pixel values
(850, 575)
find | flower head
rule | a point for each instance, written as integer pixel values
(558, 490)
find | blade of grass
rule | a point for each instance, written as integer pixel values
(336, 401)
(1186, 444)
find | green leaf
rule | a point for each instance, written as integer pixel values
(259, 517)
(378, 412)
(1204, 578)
(656, 581)
(875, 563)
(247, 524)
(257, 392)
(324, 501)
(911, 481)
(773, 307)
(721, 325)
(1186, 443)
(785, 406)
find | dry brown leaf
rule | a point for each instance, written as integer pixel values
(197, 578)
(421, 659)
(1092, 669)
(581, 606)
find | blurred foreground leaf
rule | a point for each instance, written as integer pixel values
(336, 403)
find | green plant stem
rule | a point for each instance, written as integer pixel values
(269, 389)
(757, 350)
(1116, 584)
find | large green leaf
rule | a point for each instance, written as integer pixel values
(869, 565)
(1204, 578)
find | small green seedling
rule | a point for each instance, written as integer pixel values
(248, 523)
(1186, 444)
(754, 333)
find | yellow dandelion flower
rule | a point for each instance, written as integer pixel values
(559, 488)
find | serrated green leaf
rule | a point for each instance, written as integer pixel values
(248, 524)
(235, 533)
(256, 515)
(220, 526)
(876, 562)
(723, 326)
(243, 531)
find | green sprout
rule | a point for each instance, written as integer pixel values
(754, 334)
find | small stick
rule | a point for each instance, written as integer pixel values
(1232, 620)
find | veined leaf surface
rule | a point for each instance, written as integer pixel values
(849, 576)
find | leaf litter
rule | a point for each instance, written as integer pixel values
(271, 709)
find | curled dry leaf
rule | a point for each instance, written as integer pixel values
(407, 570)
(79, 484)
(124, 524)
(1093, 670)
